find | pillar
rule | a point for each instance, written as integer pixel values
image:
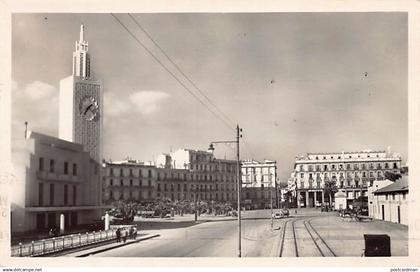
(322, 198)
(298, 197)
(62, 223)
(307, 199)
(106, 221)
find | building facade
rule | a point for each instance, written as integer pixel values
(128, 180)
(185, 174)
(53, 177)
(62, 176)
(390, 203)
(259, 184)
(349, 172)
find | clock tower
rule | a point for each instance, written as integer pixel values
(80, 103)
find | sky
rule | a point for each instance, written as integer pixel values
(295, 82)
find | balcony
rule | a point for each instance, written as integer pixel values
(44, 175)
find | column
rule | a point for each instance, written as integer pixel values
(61, 223)
(106, 221)
(298, 198)
(307, 198)
(322, 197)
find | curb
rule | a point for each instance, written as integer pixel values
(117, 246)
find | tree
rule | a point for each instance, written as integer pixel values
(392, 176)
(330, 188)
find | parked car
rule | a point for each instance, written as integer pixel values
(277, 215)
(285, 212)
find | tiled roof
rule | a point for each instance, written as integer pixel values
(398, 186)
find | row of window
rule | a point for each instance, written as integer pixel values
(207, 167)
(112, 172)
(52, 167)
(131, 183)
(130, 195)
(200, 187)
(348, 166)
(200, 196)
(338, 157)
(52, 195)
(342, 175)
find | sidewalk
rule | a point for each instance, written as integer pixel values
(109, 246)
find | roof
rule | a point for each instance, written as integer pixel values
(400, 185)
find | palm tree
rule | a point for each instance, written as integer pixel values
(330, 188)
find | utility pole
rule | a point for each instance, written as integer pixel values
(238, 165)
(238, 177)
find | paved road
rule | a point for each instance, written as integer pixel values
(210, 239)
(307, 233)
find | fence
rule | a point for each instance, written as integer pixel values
(42, 247)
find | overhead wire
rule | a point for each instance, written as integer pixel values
(179, 69)
(170, 72)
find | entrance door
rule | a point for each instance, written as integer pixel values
(40, 221)
(399, 215)
(51, 220)
(74, 219)
(383, 212)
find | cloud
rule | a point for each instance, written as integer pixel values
(146, 102)
(37, 103)
(143, 102)
(35, 91)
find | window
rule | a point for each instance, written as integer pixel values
(158, 187)
(386, 197)
(185, 187)
(40, 194)
(386, 165)
(149, 173)
(149, 183)
(75, 169)
(164, 187)
(52, 164)
(121, 172)
(131, 172)
(393, 197)
(41, 164)
(74, 194)
(301, 175)
(111, 171)
(179, 187)
(131, 182)
(395, 165)
(51, 194)
(121, 182)
(325, 167)
(65, 194)
(404, 195)
(66, 168)
(111, 182)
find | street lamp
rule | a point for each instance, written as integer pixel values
(238, 177)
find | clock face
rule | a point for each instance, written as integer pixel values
(89, 108)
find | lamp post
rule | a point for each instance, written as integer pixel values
(238, 177)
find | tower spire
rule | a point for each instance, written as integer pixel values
(82, 30)
(81, 57)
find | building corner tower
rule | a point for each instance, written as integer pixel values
(80, 103)
(80, 114)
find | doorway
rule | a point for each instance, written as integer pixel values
(383, 212)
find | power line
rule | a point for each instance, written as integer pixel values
(179, 69)
(171, 73)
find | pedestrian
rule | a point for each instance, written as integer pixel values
(118, 233)
(135, 233)
(125, 236)
(131, 232)
(51, 233)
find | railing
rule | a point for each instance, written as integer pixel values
(50, 245)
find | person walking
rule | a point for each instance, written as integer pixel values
(125, 236)
(118, 233)
(135, 233)
(131, 231)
